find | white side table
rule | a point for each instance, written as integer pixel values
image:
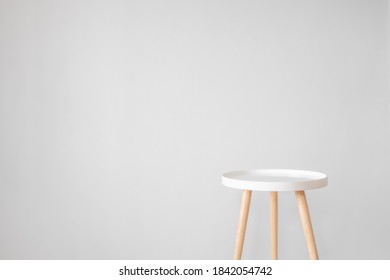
(274, 181)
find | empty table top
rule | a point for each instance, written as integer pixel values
(274, 180)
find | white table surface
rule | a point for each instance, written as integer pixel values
(274, 180)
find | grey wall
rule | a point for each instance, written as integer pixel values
(118, 117)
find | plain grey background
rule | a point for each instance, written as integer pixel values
(117, 119)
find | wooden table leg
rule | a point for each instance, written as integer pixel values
(243, 219)
(306, 223)
(274, 224)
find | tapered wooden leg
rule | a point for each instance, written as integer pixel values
(274, 224)
(242, 221)
(306, 223)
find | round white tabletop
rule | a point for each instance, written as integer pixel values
(274, 180)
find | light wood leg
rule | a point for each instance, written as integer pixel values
(274, 224)
(244, 211)
(306, 223)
